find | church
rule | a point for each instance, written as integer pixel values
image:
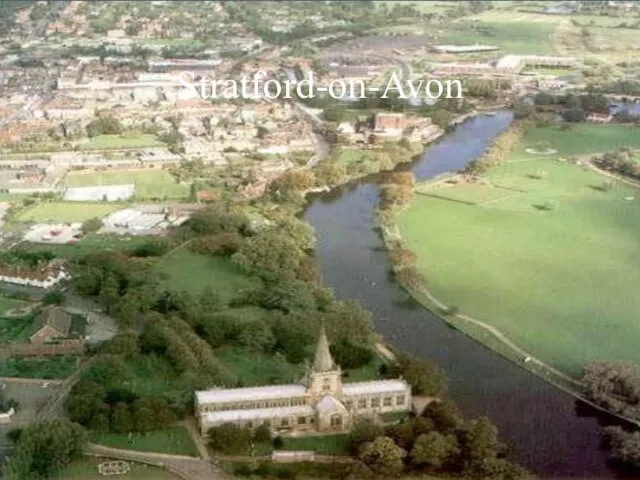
(321, 402)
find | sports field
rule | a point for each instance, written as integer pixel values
(66, 212)
(543, 252)
(149, 183)
(108, 142)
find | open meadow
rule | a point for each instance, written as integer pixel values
(543, 249)
(149, 183)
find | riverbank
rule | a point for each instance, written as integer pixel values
(476, 194)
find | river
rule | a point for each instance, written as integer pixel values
(543, 426)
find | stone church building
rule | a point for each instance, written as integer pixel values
(320, 402)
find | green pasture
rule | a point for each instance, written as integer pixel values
(149, 183)
(192, 272)
(553, 266)
(66, 212)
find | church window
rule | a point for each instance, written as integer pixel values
(362, 403)
(267, 423)
(348, 404)
(312, 420)
(285, 422)
(375, 402)
(249, 424)
(336, 420)
(326, 384)
(302, 420)
(400, 400)
(387, 401)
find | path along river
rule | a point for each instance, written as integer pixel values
(548, 432)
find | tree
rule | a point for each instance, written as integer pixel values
(434, 449)
(270, 251)
(85, 399)
(499, 469)
(125, 344)
(445, 415)
(104, 126)
(364, 430)
(262, 434)
(44, 449)
(624, 445)
(256, 335)
(230, 439)
(383, 456)
(479, 441)
(121, 418)
(425, 377)
(55, 297)
(91, 225)
(351, 355)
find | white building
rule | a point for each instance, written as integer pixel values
(320, 402)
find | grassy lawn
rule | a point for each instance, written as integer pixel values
(87, 469)
(172, 440)
(7, 303)
(255, 368)
(559, 283)
(351, 155)
(112, 142)
(370, 371)
(183, 270)
(51, 367)
(149, 183)
(67, 212)
(151, 374)
(322, 445)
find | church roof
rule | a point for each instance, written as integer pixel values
(376, 387)
(250, 393)
(258, 414)
(323, 362)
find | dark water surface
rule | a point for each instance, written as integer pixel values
(543, 426)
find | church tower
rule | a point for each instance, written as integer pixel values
(325, 377)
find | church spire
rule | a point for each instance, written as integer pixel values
(323, 362)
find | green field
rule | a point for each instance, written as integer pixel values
(87, 469)
(114, 142)
(560, 282)
(255, 368)
(512, 37)
(66, 212)
(322, 445)
(584, 138)
(191, 272)
(50, 368)
(172, 440)
(149, 183)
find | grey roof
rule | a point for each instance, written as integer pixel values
(56, 318)
(258, 414)
(323, 362)
(250, 393)
(328, 404)
(376, 387)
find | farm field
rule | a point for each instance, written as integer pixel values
(149, 183)
(87, 469)
(114, 142)
(191, 272)
(66, 212)
(172, 440)
(553, 265)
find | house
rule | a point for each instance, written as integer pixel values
(53, 322)
(599, 117)
(319, 403)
